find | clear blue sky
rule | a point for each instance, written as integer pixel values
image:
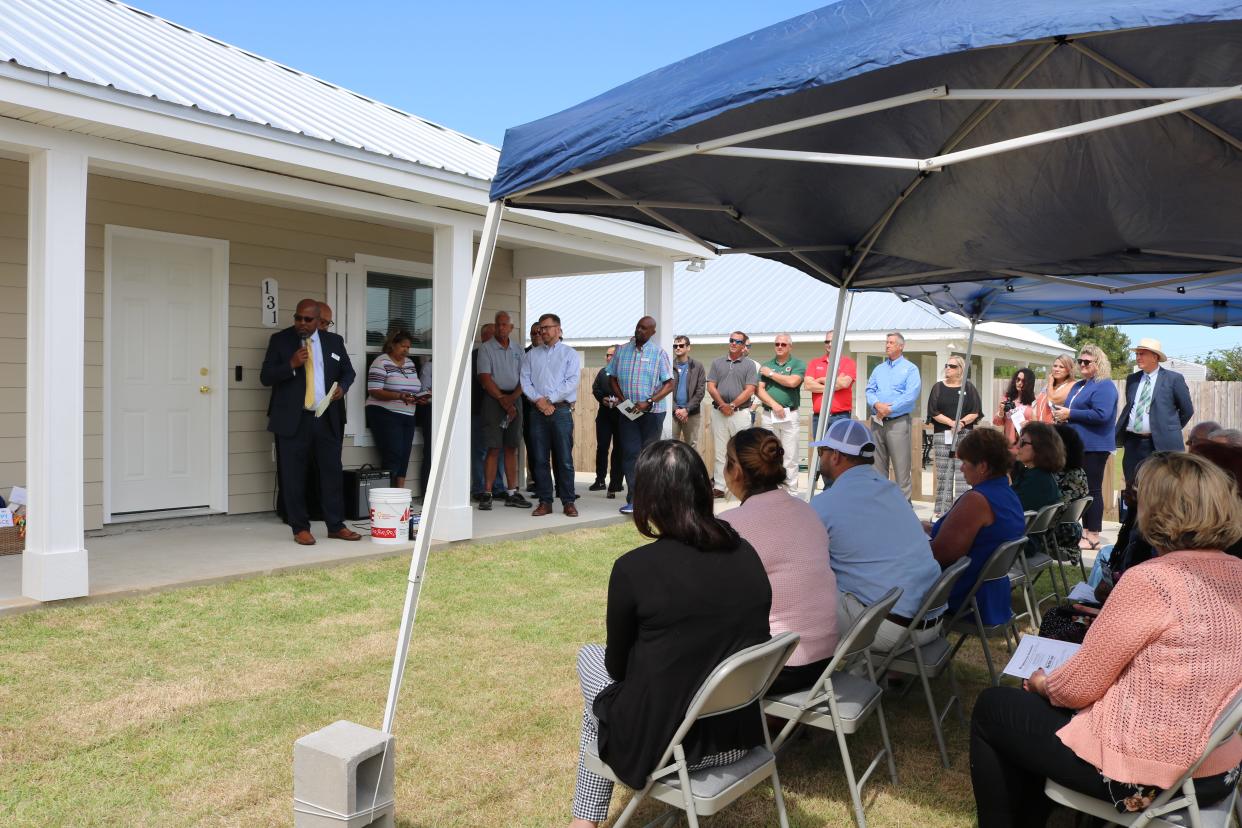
(482, 66)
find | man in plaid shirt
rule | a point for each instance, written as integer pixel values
(642, 374)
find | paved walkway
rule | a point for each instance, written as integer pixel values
(136, 558)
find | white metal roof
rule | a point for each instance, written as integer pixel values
(113, 45)
(747, 293)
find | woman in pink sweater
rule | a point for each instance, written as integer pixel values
(793, 544)
(1132, 710)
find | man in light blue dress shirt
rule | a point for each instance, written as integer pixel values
(892, 393)
(549, 377)
(875, 540)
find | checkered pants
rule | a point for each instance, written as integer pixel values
(593, 793)
(950, 484)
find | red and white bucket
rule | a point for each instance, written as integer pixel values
(390, 515)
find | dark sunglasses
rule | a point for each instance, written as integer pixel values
(782, 344)
(827, 341)
(1022, 443)
(737, 341)
(1085, 361)
(678, 347)
(297, 318)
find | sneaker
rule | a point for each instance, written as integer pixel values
(485, 503)
(627, 509)
(517, 501)
(597, 486)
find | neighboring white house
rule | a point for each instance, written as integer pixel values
(165, 200)
(764, 298)
(1192, 371)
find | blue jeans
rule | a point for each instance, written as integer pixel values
(553, 434)
(634, 436)
(394, 437)
(832, 418)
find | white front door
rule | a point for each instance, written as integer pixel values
(161, 375)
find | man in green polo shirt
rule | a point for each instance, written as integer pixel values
(780, 391)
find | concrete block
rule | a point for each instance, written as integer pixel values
(339, 774)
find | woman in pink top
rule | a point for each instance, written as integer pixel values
(793, 544)
(1133, 709)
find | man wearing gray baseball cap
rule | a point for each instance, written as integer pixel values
(875, 541)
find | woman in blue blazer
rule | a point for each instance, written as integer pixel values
(1091, 408)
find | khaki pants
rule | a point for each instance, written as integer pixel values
(889, 633)
(722, 429)
(689, 431)
(787, 433)
(892, 445)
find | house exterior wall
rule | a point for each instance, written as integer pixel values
(292, 246)
(14, 183)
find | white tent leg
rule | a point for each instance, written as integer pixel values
(961, 403)
(845, 300)
(439, 451)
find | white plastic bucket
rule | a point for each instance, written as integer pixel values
(390, 515)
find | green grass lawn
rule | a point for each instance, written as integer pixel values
(181, 708)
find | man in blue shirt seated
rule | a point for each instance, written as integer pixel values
(892, 393)
(875, 541)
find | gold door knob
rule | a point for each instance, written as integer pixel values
(204, 389)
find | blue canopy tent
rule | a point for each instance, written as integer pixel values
(990, 157)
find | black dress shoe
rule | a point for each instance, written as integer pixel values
(597, 486)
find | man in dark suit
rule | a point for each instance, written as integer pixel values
(1158, 406)
(301, 364)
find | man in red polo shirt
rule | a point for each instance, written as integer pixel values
(842, 398)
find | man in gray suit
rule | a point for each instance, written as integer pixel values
(1157, 408)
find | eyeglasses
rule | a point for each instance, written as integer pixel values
(827, 341)
(548, 327)
(782, 344)
(1085, 361)
(951, 365)
(1022, 443)
(610, 355)
(677, 347)
(308, 319)
(737, 341)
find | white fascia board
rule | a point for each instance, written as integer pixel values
(871, 342)
(221, 178)
(367, 171)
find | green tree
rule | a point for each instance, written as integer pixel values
(1108, 338)
(1225, 365)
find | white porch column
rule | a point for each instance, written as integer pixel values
(55, 564)
(985, 384)
(658, 304)
(452, 260)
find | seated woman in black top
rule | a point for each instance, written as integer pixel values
(1041, 454)
(676, 608)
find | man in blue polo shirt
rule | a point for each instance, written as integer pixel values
(875, 540)
(892, 393)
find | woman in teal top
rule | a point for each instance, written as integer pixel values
(1041, 454)
(981, 520)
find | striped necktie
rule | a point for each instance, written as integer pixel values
(1142, 405)
(309, 401)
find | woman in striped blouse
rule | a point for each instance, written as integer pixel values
(393, 390)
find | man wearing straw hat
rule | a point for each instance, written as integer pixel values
(1157, 408)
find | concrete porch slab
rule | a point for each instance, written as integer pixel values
(130, 559)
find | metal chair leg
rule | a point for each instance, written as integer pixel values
(987, 651)
(931, 706)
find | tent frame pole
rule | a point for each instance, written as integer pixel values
(845, 301)
(439, 451)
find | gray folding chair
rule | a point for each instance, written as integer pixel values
(1073, 513)
(740, 680)
(841, 701)
(933, 658)
(1177, 806)
(1027, 568)
(967, 621)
